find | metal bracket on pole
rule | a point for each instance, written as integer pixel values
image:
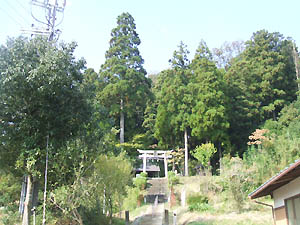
(52, 7)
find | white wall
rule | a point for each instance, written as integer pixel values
(289, 190)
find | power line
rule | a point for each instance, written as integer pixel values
(23, 7)
(52, 8)
(11, 17)
(16, 11)
(36, 19)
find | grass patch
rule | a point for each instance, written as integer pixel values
(138, 211)
(118, 221)
(228, 222)
(246, 218)
(210, 201)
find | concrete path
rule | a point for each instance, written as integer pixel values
(154, 216)
(156, 196)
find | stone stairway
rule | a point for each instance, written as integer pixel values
(157, 187)
(157, 190)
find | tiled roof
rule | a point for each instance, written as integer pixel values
(149, 168)
(282, 178)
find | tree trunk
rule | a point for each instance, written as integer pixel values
(173, 166)
(186, 167)
(77, 216)
(35, 192)
(27, 203)
(296, 64)
(110, 210)
(172, 198)
(45, 187)
(220, 157)
(121, 123)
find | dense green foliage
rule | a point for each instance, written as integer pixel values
(261, 81)
(136, 193)
(173, 179)
(203, 153)
(209, 117)
(141, 181)
(125, 86)
(9, 189)
(39, 97)
(173, 100)
(82, 200)
(198, 203)
(279, 145)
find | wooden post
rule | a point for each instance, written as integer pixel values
(27, 203)
(22, 198)
(186, 154)
(166, 165)
(166, 217)
(127, 217)
(122, 123)
(33, 211)
(183, 197)
(174, 219)
(144, 163)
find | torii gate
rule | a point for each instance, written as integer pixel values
(155, 154)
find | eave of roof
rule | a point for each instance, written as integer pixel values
(149, 168)
(283, 177)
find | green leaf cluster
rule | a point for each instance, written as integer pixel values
(39, 96)
(261, 81)
(204, 152)
(191, 96)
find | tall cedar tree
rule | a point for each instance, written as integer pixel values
(190, 97)
(39, 97)
(174, 102)
(260, 82)
(125, 85)
(209, 119)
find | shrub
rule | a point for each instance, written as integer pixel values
(203, 153)
(172, 179)
(10, 217)
(237, 180)
(193, 199)
(135, 194)
(200, 207)
(9, 189)
(199, 203)
(130, 202)
(143, 174)
(140, 182)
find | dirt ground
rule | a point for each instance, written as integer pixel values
(251, 217)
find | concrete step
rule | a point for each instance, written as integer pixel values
(157, 187)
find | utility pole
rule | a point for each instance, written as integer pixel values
(50, 9)
(45, 187)
(47, 25)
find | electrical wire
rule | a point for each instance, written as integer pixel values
(36, 19)
(48, 13)
(63, 16)
(21, 4)
(16, 11)
(11, 17)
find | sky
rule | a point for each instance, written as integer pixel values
(161, 24)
